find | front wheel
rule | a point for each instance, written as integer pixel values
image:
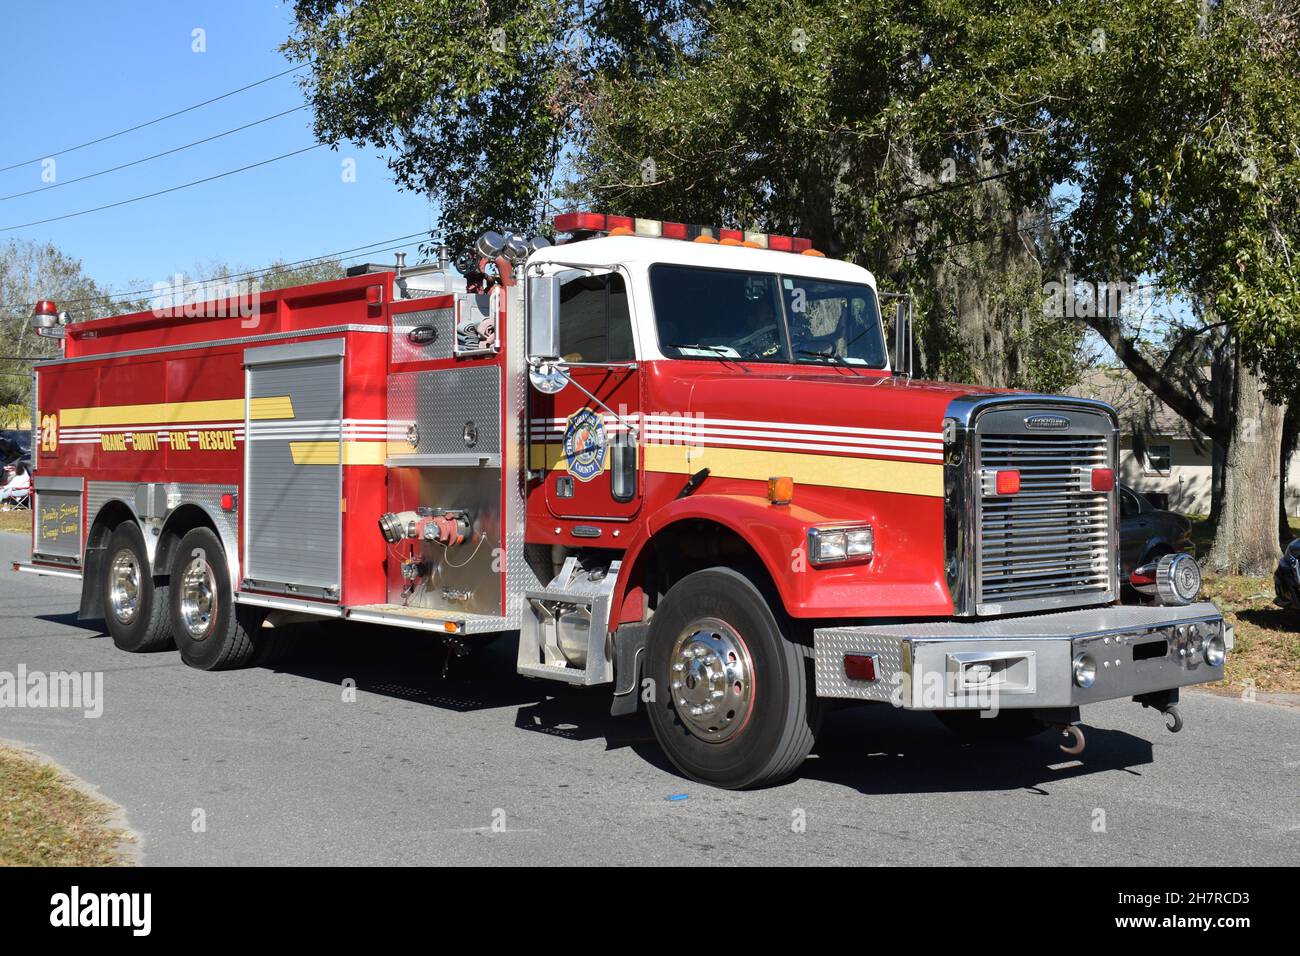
(733, 701)
(212, 632)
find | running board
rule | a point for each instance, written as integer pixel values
(564, 634)
(47, 571)
(425, 619)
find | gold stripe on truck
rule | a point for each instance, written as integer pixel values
(831, 471)
(174, 413)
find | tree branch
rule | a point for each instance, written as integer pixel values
(1186, 404)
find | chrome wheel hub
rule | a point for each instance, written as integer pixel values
(198, 599)
(124, 586)
(712, 680)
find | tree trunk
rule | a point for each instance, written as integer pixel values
(1245, 541)
(1222, 371)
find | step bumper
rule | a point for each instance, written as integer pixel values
(1022, 662)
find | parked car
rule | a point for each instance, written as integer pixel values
(1146, 532)
(15, 443)
(1286, 579)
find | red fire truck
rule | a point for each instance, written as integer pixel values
(672, 459)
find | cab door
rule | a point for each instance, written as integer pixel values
(588, 447)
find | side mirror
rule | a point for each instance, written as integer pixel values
(903, 338)
(544, 318)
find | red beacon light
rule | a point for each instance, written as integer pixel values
(600, 223)
(45, 315)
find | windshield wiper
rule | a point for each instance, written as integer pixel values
(716, 349)
(829, 356)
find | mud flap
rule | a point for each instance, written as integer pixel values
(629, 652)
(92, 586)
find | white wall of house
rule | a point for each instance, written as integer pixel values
(1184, 474)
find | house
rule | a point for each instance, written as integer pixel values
(1160, 454)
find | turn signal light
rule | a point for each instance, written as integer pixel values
(780, 491)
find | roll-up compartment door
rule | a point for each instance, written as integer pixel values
(294, 468)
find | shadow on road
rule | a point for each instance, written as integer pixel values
(877, 749)
(873, 748)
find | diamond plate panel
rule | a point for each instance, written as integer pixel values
(441, 321)
(443, 405)
(207, 497)
(830, 644)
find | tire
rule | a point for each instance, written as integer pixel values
(212, 632)
(134, 604)
(766, 722)
(1007, 725)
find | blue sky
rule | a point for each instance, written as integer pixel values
(74, 70)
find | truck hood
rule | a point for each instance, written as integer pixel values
(840, 398)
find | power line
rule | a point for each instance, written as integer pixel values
(368, 249)
(132, 129)
(113, 169)
(160, 192)
(42, 358)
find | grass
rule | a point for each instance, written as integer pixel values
(18, 521)
(46, 821)
(1267, 651)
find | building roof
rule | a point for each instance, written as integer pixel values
(1139, 409)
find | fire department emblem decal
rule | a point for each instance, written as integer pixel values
(584, 444)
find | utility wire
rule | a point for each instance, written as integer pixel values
(54, 355)
(113, 169)
(367, 249)
(160, 192)
(132, 129)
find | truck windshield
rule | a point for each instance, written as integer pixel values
(758, 316)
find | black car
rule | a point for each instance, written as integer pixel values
(15, 443)
(1286, 579)
(1146, 532)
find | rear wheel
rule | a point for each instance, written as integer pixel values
(733, 698)
(212, 632)
(135, 608)
(1005, 725)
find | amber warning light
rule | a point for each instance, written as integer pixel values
(599, 222)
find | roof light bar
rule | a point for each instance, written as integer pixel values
(581, 222)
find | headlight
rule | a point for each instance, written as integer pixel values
(1174, 579)
(1085, 670)
(827, 545)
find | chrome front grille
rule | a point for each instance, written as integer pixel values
(1052, 541)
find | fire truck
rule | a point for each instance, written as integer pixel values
(675, 460)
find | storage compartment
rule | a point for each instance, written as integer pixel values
(57, 517)
(465, 577)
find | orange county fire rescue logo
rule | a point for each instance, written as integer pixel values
(584, 444)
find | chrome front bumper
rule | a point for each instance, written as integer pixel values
(1021, 662)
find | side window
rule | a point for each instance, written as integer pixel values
(595, 323)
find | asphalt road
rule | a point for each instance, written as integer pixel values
(484, 767)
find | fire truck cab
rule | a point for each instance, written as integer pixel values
(674, 460)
